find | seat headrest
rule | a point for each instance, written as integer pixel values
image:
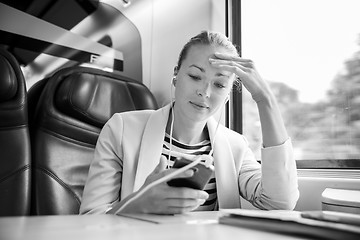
(8, 83)
(13, 97)
(81, 95)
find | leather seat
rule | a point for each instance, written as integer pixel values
(73, 107)
(15, 152)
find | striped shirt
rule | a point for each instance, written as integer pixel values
(178, 149)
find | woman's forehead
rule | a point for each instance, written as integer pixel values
(198, 57)
(204, 51)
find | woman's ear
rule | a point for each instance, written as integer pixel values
(174, 77)
(176, 70)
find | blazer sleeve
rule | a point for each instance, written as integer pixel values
(273, 184)
(103, 184)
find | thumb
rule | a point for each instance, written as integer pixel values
(161, 165)
(158, 169)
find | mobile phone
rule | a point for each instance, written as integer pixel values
(201, 177)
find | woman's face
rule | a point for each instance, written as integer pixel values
(201, 89)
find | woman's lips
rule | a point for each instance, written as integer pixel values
(199, 105)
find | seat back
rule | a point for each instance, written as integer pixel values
(15, 152)
(73, 107)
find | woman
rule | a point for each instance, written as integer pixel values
(137, 148)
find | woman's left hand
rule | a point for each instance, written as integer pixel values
(246, 71)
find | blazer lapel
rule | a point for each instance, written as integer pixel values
(151, 145)
(225, 172)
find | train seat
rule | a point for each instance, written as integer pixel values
(73, 106)
(15, 155)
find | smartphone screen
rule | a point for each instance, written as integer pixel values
(201, 177)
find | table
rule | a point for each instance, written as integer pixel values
(196, 225)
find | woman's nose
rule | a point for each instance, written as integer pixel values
(204, 91)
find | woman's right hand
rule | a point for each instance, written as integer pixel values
(164, 199)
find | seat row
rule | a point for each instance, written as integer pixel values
(48, 133)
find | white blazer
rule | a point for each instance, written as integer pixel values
(130, 145)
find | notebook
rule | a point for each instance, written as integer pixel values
(310, 224)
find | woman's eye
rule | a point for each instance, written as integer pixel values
(194, 77)
(219, 85)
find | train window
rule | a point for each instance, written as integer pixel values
(309, 51)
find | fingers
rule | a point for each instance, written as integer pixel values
(185, 199)
(225, 56)
(232, 65)
(243, 68)
(184, 202)
(158, 172)
(185, 205)
(173, 200)
(185, 193)
(164, 199)
(231, 62)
